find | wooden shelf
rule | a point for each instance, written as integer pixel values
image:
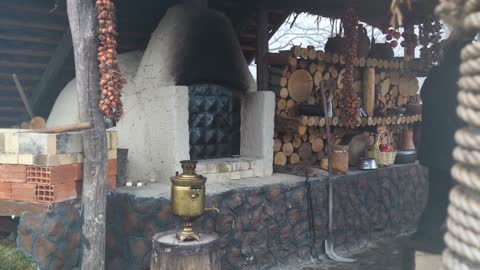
(317, 121)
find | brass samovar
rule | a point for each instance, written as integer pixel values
(188, 199)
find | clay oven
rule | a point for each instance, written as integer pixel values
(189, 95)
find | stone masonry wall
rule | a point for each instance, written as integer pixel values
(259, 227)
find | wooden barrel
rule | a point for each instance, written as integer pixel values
(171, 254)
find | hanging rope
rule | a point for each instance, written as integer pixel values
(463, 223)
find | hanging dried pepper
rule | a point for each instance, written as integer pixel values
(350, 102)
(111, 81)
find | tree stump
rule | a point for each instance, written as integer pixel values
(171, 254)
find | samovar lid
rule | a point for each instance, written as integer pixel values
(188, 175)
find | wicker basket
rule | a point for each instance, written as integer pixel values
(383, 158)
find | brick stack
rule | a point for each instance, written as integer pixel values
(46, 168)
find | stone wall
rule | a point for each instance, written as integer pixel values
(260, 226)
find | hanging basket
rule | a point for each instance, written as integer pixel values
(383, 159)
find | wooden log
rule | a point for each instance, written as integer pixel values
(363, 122)
(290, 103)
(311, 121)
(304, 53)
(355, 62)
(284, 92)
(312, 54)
(389, 120)
(317, 145)
(280, 159)
(312, 68)
(296, 51)
(287, 149)
(302, 130)
(380, 63)
(362, 61)
(305, 137)
(304, 120)
(326, 76)
(82, 16)
(317, 78)
(328, 57)
(369, 121)
(312, 137)
(374, 121)
(321, 122)
(305, 151)
(287, 137)
(342, 59)
(321, 56)
(295, 159)
(369, 62)
(281, 104)
(302, 63)
(335, 58)
(170, 253)
(292, 62)
(374, 62)
(335, 121)
(277, 145)
(297, 142)
(369, 91)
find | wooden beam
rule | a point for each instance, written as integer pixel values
(25, 52)
(54, 27)
(56, 64)
(26, 38)
(82, 16)
(14, 208)
(22, 64)
(262, 49)
(23, 76)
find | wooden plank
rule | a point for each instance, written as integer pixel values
(26, 38)
(11, 22)
(23, 64)
(25, 52)
(55, 66)
(262, 49)
(82, 16)
(13, 208)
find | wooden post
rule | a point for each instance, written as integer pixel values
(82, 16)
(169, 253)
(262, 49)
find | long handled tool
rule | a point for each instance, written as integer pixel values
(329, 248)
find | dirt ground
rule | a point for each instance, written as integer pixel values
(392, 255)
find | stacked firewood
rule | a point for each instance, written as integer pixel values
(295, 77)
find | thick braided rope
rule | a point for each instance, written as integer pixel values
(468, 115)
(453, 262)
(467, 175)
(470, 252)
(463, 234)
(468, 137)
(462, 199)
(463, 218)
(469, 99)
(468, 156)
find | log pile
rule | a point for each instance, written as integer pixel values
(295, 77)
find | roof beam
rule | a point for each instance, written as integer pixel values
(54, 27)
(56, 64)
(22, 65)
(28, 39)
(25, 52)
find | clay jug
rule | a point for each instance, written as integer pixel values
(363, 42)
(336, 45)
(407, 140)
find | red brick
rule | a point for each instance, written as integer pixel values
(55, 174)
(58, 193)
(111, 182)
(112, 167)
(6, 191)
(13, 173)
(24, 192)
